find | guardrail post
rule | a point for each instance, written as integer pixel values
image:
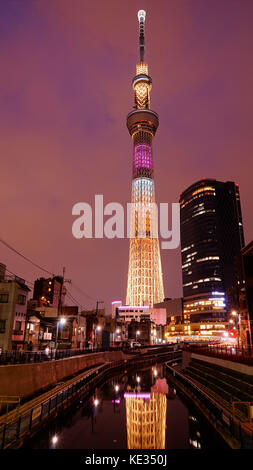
(18, 426)
(240, 435)
(49, 405)
(3, 437)
(31, 420)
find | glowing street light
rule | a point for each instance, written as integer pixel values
(96, 402)
(138, 379)
(97, 330)
(54, 439)
(116, 388)
(62, 322)
(238, 322)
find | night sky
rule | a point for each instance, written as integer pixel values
(65, 84)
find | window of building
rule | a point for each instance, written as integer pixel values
(4, 298)
(21, 299)
(2, 326)
(18, 325)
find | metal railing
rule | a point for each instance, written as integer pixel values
(26, 357)
(231, 353)
(18, 423)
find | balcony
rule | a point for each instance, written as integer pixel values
(17, 332)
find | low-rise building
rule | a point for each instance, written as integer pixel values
(45, 328)
(13, 309)
(136, 313)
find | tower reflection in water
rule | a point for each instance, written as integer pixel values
(146, 416)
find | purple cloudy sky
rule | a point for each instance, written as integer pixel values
(65, 84)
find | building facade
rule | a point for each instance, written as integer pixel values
(13, 309)
(130, 313)
(49, 290)
(211, 239)
(145, 282)
(245, 295)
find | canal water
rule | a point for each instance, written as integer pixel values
(138, 409)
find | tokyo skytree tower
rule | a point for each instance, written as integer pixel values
(145, 282)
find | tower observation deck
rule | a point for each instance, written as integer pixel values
(145, 283)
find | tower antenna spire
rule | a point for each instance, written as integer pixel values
(141, 18)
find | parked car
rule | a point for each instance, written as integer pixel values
(135, 344)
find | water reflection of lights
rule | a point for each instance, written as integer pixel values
(192, 418)
(54, 439)
(195, 444)
(137, 395)
(146, 420)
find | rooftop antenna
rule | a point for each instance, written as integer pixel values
(141, 18)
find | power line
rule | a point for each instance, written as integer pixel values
(27, 282)
(24, 257)
(42, 269)
(73, 299)
(81, 291)
(68, 294)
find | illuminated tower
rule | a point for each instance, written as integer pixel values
(146, 420)
(145, 283)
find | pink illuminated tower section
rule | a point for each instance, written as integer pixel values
(145, 283)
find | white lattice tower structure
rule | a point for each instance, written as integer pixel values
(145, 282)
(146, 422)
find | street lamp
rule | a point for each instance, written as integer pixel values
(98, 328)
(62, 322)
(117, 331)
(137, 334)
(238, 324)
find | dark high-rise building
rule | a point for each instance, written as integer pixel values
(245, 308)
(211, 238)
(48, 290)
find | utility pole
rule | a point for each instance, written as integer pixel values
(60, 302)
(60, 295)
(97, 304)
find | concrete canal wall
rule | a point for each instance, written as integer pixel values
(236, 366)
(24, 380)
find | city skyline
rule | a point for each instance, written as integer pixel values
(66, 89)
